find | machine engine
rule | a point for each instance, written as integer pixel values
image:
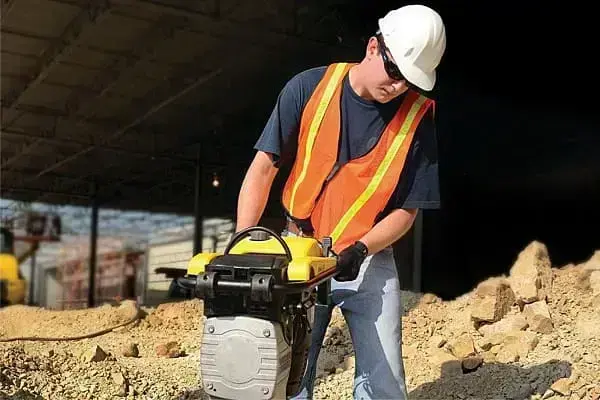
(259, 298)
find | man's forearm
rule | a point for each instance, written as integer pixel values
(389, 229)
(254, 192)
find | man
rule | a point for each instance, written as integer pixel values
(362, 150)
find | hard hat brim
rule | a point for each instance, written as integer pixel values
(413, 74)
(416, 76)
(419, 78)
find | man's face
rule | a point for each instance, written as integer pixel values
(386, 82)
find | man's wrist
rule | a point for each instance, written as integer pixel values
(362, 247)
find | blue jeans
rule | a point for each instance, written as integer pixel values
(372, 308)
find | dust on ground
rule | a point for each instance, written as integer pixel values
(490, 343)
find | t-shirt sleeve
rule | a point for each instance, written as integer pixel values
(280, 134)
(419, 186)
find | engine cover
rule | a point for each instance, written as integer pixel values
(244, 358)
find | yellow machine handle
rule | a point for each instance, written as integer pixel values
(305, 255)
(241, 235)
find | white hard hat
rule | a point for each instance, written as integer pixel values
(416, 37)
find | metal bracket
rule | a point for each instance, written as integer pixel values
(260, 289)
(206, 285)
(326, 245)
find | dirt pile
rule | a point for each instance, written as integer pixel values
(534, 334)
(25, 321)
(155, 357)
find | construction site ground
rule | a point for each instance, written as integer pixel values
(491, 343)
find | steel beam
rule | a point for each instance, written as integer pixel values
(93, 13)
(64, 141)
(123, 55)
(97, 126)
(192, 144)
(76, 90)
(32, 271)
(25, 150)
(172, 175)
(229, 27)
(122, 130)
(133, 123)
(106, 81)
(203, 79)
(93, 248)
(24, 34)
(216, 25)
(22, 174)
(6, 7)
(206, 164)
(67, 63)
(198, 211)
(57, 182)
(38, 191)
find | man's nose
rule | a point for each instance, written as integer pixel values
(398, 85)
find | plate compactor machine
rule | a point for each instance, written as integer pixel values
(259, 297)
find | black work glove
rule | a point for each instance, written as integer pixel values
(349, 261)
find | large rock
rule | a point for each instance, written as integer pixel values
(446, 362)
(512, 346)
(594, 279)
(94, 354)
(509, 324)
(531, 274)
(492, 300)
(169, 349)
(594, 262)
(523, 342)
(462, 346)
(507, 354)
(471, 363)
(538, 317)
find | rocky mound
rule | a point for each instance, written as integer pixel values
(154, 358)
(534, 334)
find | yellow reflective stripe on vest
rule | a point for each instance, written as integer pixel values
(381, 170)
(315, 124)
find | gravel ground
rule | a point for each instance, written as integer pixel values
(157, 357)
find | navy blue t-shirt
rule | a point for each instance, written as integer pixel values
(363, 123)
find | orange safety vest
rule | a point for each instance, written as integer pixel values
(346, 205)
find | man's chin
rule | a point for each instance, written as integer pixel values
(384, 99)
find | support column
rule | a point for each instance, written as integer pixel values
(93, 247)
(198, 214)
(32, 271)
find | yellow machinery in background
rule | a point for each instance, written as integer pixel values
(32, 228)
(12, 284)
(259, 297)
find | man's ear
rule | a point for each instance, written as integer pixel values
(372, 47)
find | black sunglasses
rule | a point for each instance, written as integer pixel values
(390, 68)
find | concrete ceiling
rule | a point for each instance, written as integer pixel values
(121, 97)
